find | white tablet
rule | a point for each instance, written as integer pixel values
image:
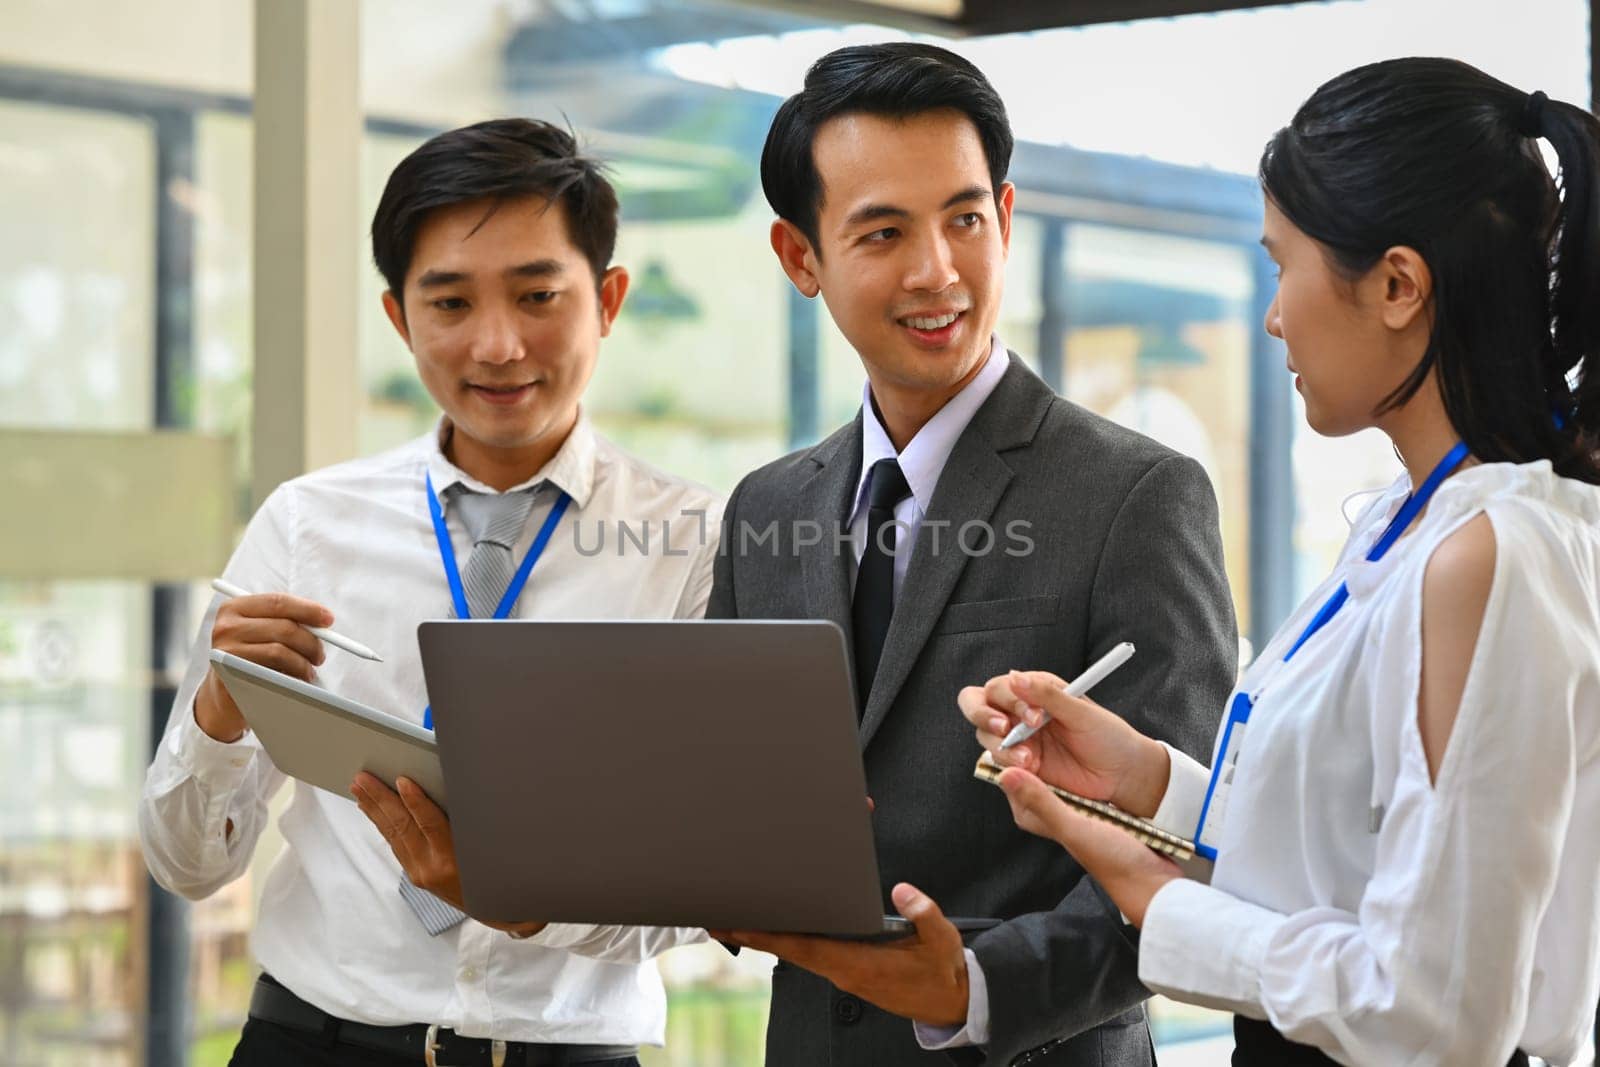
(325, 739)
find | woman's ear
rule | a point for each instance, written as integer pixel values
(1406, 288)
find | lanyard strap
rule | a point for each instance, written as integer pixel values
(447, 555)
(1208, 833)
(452, 573)
(1402, 520)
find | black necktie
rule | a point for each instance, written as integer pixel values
(873, 605)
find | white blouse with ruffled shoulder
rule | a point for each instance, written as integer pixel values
(1362, 908)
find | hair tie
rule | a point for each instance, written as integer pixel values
(1531, 123)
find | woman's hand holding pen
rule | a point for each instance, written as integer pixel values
(1085, 749)
(1082, 747)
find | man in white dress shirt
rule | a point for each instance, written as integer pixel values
(495, 241)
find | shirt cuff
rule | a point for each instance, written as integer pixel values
(562, 935)
(219, 766)
(1206, 947)
(976, 1031)
(1179, 811)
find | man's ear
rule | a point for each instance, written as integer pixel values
(397, 315)
(796, 257)
(1002, 210)
(613, 290)
(1407, 286)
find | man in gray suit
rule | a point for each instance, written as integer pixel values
(968, 521)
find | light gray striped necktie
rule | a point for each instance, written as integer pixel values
(494, 522)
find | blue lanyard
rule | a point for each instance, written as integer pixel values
(452, 573)
(1398, 525)
(1243, 704)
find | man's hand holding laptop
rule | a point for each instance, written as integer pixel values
(418, 832)
(922, 976)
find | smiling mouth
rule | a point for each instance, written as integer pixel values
(930, 323)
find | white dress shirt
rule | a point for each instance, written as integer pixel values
(922, 461)
(333, 927)
(1360, 907)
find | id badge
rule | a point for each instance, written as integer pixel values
(1214, 812)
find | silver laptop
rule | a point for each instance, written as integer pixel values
(679, 773)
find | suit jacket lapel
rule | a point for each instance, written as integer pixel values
(970, 487)
(826, 498)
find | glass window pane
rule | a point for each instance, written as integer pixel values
(77, 282)
(77, 288)
(73, 659)
(222, 203)
(1158, 339)
(394, 405)
(93, 102)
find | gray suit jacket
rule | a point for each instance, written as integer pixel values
(1124, 547)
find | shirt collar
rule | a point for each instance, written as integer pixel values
(571, 469)
(925, 456)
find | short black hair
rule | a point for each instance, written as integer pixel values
(894, 80)
(500, 159)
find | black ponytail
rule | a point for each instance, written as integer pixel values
(1575, 290)
(1436, 155)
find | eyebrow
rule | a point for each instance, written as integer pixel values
(1266, 242)
(873, 212)
(537, 268)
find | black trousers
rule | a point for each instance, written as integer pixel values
(1257, 1044)
(265, 1044)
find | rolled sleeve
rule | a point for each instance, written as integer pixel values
(195, 786)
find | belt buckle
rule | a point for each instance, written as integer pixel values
(431, 1048)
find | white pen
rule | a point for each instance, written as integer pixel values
(1076, 688)
(355, 648)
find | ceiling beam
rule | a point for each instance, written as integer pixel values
(981, 17)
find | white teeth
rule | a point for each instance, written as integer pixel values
(930, 324)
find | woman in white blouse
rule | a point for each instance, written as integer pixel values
(1406, 830)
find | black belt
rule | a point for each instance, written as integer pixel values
(273, 1003)
(1257, 1044)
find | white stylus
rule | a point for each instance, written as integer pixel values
(336, 640)
(1076, 688)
